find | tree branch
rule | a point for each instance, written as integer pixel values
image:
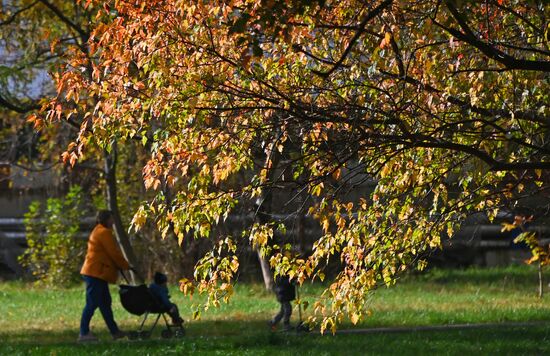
(469, 37)
(12, 18)
(494, 165)
(377, 10)
(17, 108)
(523, 115)
(83, 34)
(298, 48)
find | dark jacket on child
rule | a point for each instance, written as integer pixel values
(284, 289)
(160, 291)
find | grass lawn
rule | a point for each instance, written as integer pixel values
(44, 321)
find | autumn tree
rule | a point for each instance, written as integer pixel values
(36, 37)
(442, 104)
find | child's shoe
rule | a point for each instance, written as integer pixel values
(177, 322)
(272, 325)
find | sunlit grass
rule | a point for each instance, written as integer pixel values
(43, 321)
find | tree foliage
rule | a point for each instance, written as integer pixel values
(443, 104)
(34, 39)
(37, 38)
(55, 249)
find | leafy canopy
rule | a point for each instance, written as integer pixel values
(442, 104)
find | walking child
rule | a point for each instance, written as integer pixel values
(285, 292)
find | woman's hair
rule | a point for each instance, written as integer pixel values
(103, 217)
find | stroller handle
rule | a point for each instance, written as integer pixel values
(130, 269)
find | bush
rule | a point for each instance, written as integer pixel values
(55, 252)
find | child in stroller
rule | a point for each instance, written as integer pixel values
(160, 291)
(141, 300)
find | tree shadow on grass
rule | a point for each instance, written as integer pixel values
(253, 337)
(202, 336)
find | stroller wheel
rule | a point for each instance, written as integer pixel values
(180, 332)
(133, 335)
(144, 334)
(166, 334)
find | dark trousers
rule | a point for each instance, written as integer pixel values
(175, 314)
(284, 313)
(97, 296)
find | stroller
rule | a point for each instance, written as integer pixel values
(138, 300)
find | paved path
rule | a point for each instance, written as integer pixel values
(439, 327)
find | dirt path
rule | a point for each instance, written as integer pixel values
(439, 327)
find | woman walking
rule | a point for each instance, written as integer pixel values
(103, 261)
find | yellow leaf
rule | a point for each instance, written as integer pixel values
(326, 224)
(140, 217)
(386, 40)
(507, 227)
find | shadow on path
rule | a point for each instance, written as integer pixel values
(443, 327)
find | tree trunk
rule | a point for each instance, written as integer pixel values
(264, 206)
(262, 217)
(112, 203)
(541, 288)
(266, 272)
(301, 232)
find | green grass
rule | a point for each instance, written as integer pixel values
(44, 321)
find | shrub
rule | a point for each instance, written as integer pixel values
(55, 250)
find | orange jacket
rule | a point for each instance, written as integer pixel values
(103, 258)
